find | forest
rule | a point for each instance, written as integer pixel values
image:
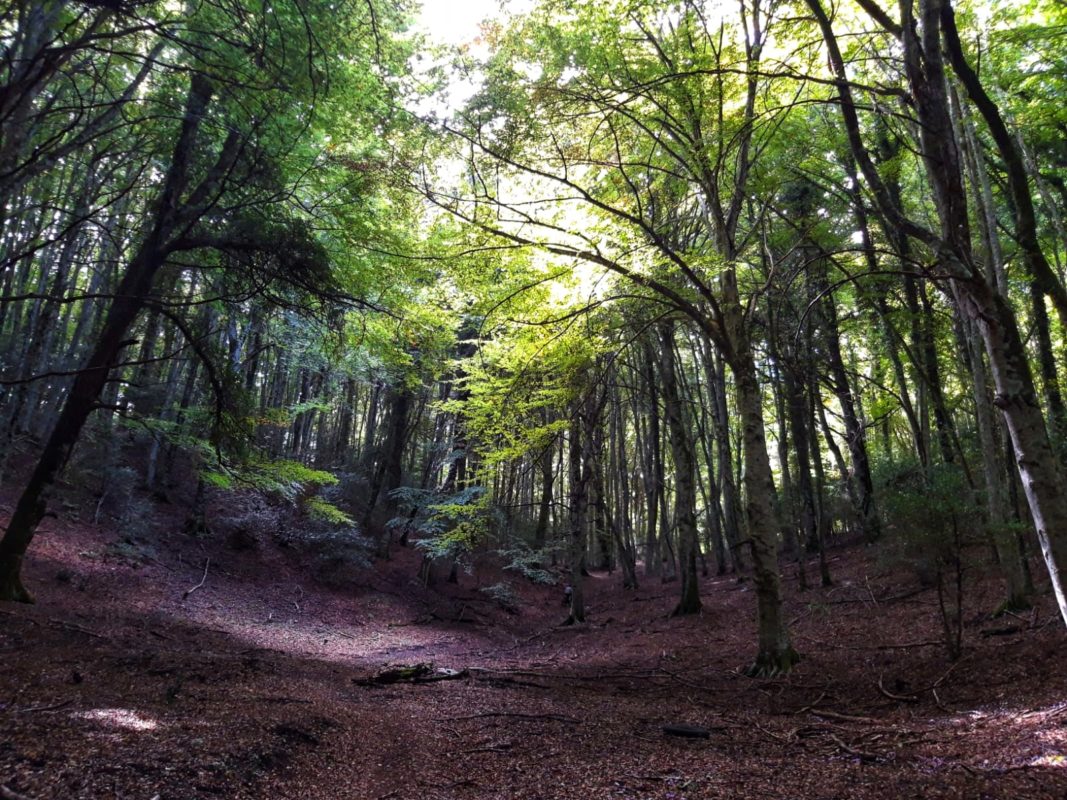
(533, 399)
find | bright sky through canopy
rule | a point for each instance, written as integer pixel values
(455, 22)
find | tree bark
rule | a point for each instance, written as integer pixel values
(684, 458)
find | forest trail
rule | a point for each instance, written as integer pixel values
(244, 687)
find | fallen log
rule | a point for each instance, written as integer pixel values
(686, 731)
(415, 673)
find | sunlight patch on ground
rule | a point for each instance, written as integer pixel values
(120, 718)
(1040, 714)
(1017, 716)
(1051, 760)
(403, 634)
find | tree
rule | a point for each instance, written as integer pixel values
(233, 195)
(921, 35)
(671, 150)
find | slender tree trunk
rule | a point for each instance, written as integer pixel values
(685, 475)
(546, 463)
(716, 381)
(855, 432)
(578, 500)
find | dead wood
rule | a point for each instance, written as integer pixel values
(1010, 630)
(812, 704)
(70, 626)
(416, 673)
(686, 731)
(443, 674)
(861, 754)
(844, 717)
(516, 715)
(903, 698)
(395, 675)
(502, 747)
(187, 592)
(37, 709)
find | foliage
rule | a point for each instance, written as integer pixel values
(933, 520)
(504, 595)
(444, 525)
(530, 564)
(319, 509)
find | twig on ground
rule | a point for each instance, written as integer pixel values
(70, 626)
(944, 675)
(188, 592)
(36, 709)
(515, 715)
(811, 705)
(789, 738)
(843, 717)
(502, 747)
(11, 794)
(904, 646)
(861, 754)
(903, 698)
(870, 591)
(681, 680)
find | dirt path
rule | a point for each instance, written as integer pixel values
(115, 686)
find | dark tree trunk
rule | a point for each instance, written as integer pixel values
(680, 437)
(131, 295)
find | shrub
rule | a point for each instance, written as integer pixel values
(504, 595)
(932, 518)
(530, 564)
(248, 520)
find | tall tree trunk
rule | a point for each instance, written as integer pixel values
(653, 468)
(578, 500)
(1013, 381)
(678, 433)
(776, 654)
(715, 374)
(546, 464)
(855, 431)
(130, 296)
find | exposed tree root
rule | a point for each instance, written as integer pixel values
(773, 665)
(11, 588)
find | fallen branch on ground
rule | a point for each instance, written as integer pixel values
(687, 731)
(417, 673)
(811, 705)
(903, 698)
(843, 717)
(70, 626)
(861, 754)
(188, 592)
(36, 709)
(493, 748)
(516, 715)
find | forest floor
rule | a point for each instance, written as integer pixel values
(124, 682)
